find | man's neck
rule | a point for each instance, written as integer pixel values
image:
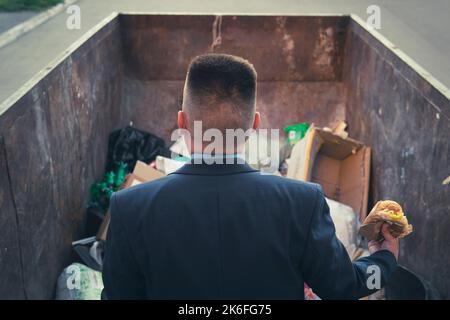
(228, 158)
(217, 155)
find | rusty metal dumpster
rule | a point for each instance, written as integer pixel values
(131, 67)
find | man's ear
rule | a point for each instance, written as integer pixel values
(182, 120)
(256, 120)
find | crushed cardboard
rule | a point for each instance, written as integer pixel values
(168, 165)
(340, 165)
(141, 173)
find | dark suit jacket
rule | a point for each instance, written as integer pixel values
(229, 232)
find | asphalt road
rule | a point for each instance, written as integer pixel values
(11, 19)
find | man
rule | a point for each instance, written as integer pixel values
(226, 231)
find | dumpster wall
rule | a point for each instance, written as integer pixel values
(406, 121)
(315, 69)
(53, 137)
(298, 59)
(11, 285)
(55, 142)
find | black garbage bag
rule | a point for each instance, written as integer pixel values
(128, 145)
(406, 285)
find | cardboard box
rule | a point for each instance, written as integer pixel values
(341, 166)
(103, 230)
(141, 173)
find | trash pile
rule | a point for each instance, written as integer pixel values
(134, 157)
(322, 155)
(341, 165)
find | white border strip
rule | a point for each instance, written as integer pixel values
(15, 32)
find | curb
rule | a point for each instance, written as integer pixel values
(15, 32)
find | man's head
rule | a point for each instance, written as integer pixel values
(220, 91)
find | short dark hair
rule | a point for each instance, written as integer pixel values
(222, 79)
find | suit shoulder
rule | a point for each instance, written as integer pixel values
(146, 188)
(129, 205)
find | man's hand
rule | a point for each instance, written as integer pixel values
(387, 243)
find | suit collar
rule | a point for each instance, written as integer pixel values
(191, 168)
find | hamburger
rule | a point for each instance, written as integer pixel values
(385, 211)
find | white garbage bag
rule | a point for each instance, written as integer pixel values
(79, 282)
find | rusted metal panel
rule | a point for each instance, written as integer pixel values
(160, 47)
(11, 281)
(283, 103)
(153, 105)
(298, 60)
(56, 142)
(31, 171)
(406, 122)
(314, 69)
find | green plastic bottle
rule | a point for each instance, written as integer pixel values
(295, 132)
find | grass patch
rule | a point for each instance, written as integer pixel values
(30, 5)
